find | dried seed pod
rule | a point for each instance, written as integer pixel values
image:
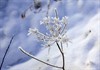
(23, 15)
(37, 4)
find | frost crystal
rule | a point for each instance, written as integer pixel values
(64, 20)
(56, 28)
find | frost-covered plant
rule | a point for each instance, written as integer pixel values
(56, 28)
(57, 34)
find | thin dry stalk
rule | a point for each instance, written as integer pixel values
(63, 58)
(6, 52)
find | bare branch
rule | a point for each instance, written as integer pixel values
(38, 59)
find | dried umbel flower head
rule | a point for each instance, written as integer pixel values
(56, 28)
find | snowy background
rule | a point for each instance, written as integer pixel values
(82, 54)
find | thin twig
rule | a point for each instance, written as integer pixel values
(63, 67)
(38, 59)
(6, 52)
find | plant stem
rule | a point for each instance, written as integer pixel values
(38, 59)
(63, 58)
(6, 52)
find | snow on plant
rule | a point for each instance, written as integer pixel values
(57, 34)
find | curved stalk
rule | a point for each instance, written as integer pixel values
(38, 59)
